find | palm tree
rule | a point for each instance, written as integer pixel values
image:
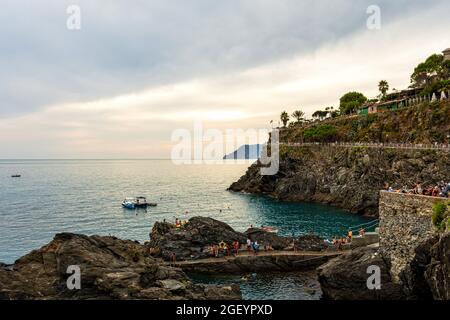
(284, 117)
(298, 115)
(383, 87)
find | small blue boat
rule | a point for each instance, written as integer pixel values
(138, 202)
(128, 203)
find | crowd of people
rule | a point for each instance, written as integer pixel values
(225, 249)
(337, 241)
(441, 189)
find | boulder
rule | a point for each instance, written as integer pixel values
(268, 238)
(437, 273)
(191, 241)
(110, 269)
(345, 277)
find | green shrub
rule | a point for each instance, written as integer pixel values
(322, 133)
(440, 216)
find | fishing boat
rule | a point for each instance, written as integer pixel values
(16, 176)
(137, 202)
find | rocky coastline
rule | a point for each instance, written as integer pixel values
(426, 277)
(349, 178)
(112, 268)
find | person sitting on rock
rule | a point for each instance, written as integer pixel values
(226, 250)
(216, 250)
(211, 251)
(236, 247)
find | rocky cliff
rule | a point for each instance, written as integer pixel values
(192, 240)
(347, 177)
(427, 275)
(351, 177)
(110, 269)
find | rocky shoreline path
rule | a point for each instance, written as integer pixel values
(112, 268)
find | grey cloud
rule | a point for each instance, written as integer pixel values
(126, 46)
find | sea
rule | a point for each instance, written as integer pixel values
(85, 196)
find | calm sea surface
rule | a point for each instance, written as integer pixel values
(84, 196)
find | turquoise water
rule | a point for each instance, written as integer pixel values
(85, 196)
(270, 286)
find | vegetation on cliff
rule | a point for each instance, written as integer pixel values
(441, 215)
(425, 123)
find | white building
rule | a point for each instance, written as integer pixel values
(446, 53)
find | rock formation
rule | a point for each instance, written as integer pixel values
(350, 178)
(345, 277)
(110, 269)
(192, 240)
(427, 275)
(437, 273)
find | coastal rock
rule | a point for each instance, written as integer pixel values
(249, 263)
(266, 238)
(192, 240)
(437, 273)
(345, 277)
(350, 178)
(110, 269)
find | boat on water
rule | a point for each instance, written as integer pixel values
(137, 202)
(16, 176)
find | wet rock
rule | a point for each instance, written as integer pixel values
(110, 269)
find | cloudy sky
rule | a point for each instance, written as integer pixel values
(139, 69)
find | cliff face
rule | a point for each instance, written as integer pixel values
(425, 277)
(349, 178)
(110, 268)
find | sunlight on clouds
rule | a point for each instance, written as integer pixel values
(244, 99)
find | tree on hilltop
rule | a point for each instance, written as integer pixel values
(351, 101)
(432, 70)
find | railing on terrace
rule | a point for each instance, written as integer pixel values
(419, 146)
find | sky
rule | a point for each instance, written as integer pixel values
(136, 71)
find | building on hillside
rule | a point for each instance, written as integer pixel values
(391, 101)
(446, 53)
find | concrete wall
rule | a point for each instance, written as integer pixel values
(405, 221)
